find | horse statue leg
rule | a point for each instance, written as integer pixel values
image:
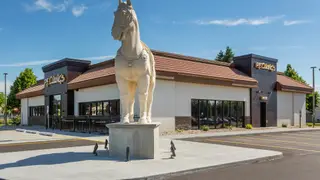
(123, 85)
(132, 93)
(150, 98)
(143, 86)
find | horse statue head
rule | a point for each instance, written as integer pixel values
(125, 19)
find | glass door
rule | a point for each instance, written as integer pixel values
(55, 110)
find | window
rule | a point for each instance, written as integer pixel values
(36, 111)
(216, 113)
(94, 109)
(101, 108)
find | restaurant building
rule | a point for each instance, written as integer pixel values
(190, 92)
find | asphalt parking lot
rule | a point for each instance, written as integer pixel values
(301, 159)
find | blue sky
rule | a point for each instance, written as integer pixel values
(36, 32)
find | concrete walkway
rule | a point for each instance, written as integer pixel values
(80, 163)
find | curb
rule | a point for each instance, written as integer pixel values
(221, 134)
(20, 130)
(31, 132)
(46, 134)
(35, 132)
(195, 170)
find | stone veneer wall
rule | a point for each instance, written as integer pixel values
(183, 123)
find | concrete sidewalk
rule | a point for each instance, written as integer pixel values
(79, 162)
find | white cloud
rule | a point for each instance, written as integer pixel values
(42, 62)
(9, 83)
(241, 21)
(295, 22)
(46, 5)
(78, 10)
(60, 6)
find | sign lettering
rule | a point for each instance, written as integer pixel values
(56, 79)
(265, 66)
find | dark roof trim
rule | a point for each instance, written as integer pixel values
(255, 56)
(66, 62)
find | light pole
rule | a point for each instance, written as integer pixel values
(313, 97)
(5, 97)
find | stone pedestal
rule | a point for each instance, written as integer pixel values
(142, 139)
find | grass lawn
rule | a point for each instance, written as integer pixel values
(311, 124)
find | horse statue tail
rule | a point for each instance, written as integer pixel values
(152, 60)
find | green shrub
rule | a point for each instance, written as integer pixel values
(1, 121)
(284, 125)
(179, 130)
(15, 121)
(229, 127)
(248, 126)
(205, 128)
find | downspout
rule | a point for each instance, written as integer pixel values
(292, 122)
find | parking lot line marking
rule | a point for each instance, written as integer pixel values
(295, 137)
(302, 135)
(278, 140)
(35, 142)
(262, 145)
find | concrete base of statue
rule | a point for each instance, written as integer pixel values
(142, 140)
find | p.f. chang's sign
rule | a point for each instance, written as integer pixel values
(56, 79)
(265, 66)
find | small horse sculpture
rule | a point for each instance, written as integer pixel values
(134, 65)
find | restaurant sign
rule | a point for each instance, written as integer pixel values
(56, 79)
(265, 66)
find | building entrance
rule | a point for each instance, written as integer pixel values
(55, 111)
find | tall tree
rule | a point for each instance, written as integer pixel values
(292, 73)
(220, 56)
(25, 80)
(2, 102)
(225, 57)
(228, 56)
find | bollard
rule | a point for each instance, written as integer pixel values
(95, 149)
(127, 154)
(173, 150)
(106, 144)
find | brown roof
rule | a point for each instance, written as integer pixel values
(181, 68)
(36, 90)
(175, 65)
(285, 83)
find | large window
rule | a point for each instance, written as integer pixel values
(101, 108)
(217, 113)
(37, 111)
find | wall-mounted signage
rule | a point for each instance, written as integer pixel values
(56, 79)
(265, 66)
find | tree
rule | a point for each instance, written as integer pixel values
(228, 56)
(25, 80)
(220, 56)
(225, 57)
(2, 102)
(292, 73)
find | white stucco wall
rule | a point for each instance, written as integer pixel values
(29, 102)
(187, 91)
(289, 107)
(171, 99)
(98, 93)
